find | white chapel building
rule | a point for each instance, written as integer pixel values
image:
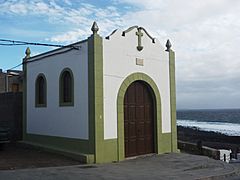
(102, 99)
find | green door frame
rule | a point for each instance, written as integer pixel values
(120, 111)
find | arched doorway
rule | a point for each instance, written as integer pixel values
(138, 120)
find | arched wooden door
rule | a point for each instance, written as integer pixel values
(138, 120)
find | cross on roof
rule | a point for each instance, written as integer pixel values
(139, 34)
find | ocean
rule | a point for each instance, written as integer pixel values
(225, 121)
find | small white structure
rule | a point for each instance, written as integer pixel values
(225, 155)
(238, 156)
(102, 99)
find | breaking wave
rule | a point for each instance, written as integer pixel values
(230, 129)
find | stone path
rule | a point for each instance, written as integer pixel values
(167, 166)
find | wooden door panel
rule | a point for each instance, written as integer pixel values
(141, 149)
(126, 113)
(132, 147)
(139, 93)
(147, 112)
(149, 148)
(132, 113)
(138, 120)
(140, 112)
(148, 129)
(132, 130)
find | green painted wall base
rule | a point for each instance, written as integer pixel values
(74, 148)
(110, 151)
(165, 143)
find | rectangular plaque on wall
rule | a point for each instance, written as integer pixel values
(139, 61)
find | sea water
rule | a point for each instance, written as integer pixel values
(225, 121)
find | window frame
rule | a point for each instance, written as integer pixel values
(61, 88)
(44, 104)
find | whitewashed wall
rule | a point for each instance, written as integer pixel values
(119, 61)
(53, 120)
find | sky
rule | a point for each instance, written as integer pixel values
(205, 35)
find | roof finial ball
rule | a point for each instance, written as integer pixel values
(94, 28)
(168, 45)
(27, 52)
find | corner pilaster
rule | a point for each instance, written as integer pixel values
(24, 64)
(95, 89)
(172, 96)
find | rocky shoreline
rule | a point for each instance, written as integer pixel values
(209, 139)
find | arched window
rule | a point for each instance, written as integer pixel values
(66, 84)
(41, 91)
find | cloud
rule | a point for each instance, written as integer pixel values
(71, 36)
(78, 19)
(204, 34)
(68, 2)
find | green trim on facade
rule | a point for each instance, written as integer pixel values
(61, 99)
(173, 100)
(165, 143)
(95, 95)
(110, 153)
(120, 110)
(37, 91)
(24, 122)
(68, 146)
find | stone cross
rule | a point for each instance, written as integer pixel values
(139, 34)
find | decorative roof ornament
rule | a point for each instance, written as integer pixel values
(168, 45)
(139, 35)
(27, 52)
(108, 37)
(94, 28)
(138, 28)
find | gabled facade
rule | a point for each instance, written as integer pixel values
(102, 100)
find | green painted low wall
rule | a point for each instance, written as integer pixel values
(76, 148)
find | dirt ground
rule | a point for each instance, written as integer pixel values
(15, 156)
